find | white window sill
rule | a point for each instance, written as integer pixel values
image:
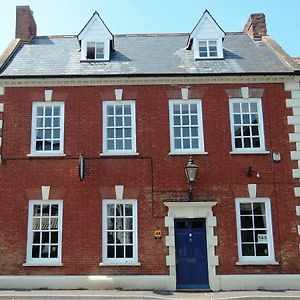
(120, 154)
(46, 155)
(250, 152)
(257, 263)
(43, 264)
(188, 153)
(104, 264)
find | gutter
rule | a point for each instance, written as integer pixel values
(291, 73)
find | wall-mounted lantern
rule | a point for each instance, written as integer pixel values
(191, 173)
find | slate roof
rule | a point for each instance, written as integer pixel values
(161, 54)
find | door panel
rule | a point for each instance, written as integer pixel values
(191, 253)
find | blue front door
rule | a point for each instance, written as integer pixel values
(191, 254)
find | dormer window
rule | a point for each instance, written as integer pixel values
(208, 49)
(206, 39)
(96, 41)
(95, 50)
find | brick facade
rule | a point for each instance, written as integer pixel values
(152, 177)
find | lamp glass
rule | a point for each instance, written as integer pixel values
(191, 171)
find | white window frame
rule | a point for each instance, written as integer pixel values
(30, 261)
(119, 261)
(258, 101)
(199, 150)
(106, 49)
(35, 152)
(207, 40)
(95, 50)
(107, 151)
(256, 259)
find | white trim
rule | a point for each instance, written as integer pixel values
(219, 46)
(256, 263)
(1, 107)
(249, 152)
(106, 49)
(120, 154)
(45, 192)
(191, 153)
(154, 80)
(48, 95)
(245, 92)
(252, 190)
(118, 94)
(260, 125)
(43, 261)
(2, 90)
(92, 282)
(41, 264)
(35, 152)
(255, 259)
(237, 282)
(185, 93)
(131, 151)
(120, 261)
(119, 191)
(192, 210)
(200, 136)
(47, 154)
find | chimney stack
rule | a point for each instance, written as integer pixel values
(256, 26)
(25, 23)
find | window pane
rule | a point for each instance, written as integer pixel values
(247, 235)
(177, 132)
(194, 120)
(245, 208)
(176, 120)
(246, 222)
(45, 251)
(90, 51)
(36, 237)
(54, 252)
(48, 111)
(128, 144)
(261, 249)
(40, 111)
(247, 249)
(54, 237)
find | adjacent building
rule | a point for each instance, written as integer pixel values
(97, 133)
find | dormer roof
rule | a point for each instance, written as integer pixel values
(95, 23)
(207, 25)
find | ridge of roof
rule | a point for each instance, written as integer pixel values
(62, 36)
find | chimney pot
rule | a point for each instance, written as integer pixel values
(25, 23)
(256, 26)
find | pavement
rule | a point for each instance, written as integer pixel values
(121, 294)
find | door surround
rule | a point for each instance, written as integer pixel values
(186, 210)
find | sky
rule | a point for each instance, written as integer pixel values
(155, 16)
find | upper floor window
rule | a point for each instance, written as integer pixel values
(44, 232)
(95, 50)
(247, 132)
(120, 232)
(47, 134)
(186, 128)
(254, 230)
(208, 49)
(119, 127)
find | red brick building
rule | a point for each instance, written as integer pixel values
(96, 132)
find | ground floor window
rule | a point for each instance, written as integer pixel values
(44, 231)
(254, 229)
(120, 231)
